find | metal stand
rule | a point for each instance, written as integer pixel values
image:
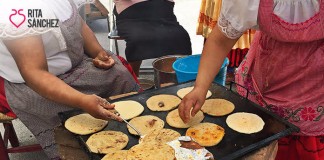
(113, 33)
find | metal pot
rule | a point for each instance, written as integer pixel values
(163, 71)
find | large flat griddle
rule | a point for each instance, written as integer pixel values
(233, 146)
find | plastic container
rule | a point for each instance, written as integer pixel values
(163, 71)
(187, 69)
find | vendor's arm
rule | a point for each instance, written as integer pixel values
(215, 51)
(29, 55)
(94, 50)
(235, 18)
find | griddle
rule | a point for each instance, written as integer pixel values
(233, 146)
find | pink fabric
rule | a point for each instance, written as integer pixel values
(284, 69)
(301, 148)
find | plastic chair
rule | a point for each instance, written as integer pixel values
(11, 136)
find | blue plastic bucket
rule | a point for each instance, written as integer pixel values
(187, 69)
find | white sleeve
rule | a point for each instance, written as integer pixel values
(237, 16)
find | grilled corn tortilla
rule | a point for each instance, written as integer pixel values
(151, 151)
(128, 109)
(161, 136)
(217, 107)
(105, 141)
(184, 91)
(115, 155)
(247, 123)
(163, 102)
(84, 124)
(206, 134)
(145, 124)
(174, 120)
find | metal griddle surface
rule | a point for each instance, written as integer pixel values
(233, 145)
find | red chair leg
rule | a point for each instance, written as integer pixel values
(29, 148)
(3, 150)
(11, 133)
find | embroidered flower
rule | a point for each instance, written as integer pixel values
(308, 114)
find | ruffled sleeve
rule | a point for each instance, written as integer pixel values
(237, 16)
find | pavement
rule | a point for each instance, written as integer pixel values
(187, 14)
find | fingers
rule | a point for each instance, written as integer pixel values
(103, 57)
(109, 106)
(195, 109)
(109, 114)
(104, 64)
(110, 62)
(181, 111)
(96, 62)
(105, 104)
(108, 111)
(189, 104)
(184, 109)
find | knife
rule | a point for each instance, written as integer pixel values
(118, 114)
(138, 132)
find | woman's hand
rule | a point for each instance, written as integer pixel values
(193, 100)
(99, 108)
(103, 60)
(215, 51)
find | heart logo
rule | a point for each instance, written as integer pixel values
(17, 20)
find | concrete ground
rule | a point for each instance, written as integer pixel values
(187, 14)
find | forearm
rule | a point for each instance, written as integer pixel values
(91, 45)
(54, 89)
(215, 51)
(30, 58)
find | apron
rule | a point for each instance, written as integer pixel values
(284, 69)
(284, 72)
(41, 115)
